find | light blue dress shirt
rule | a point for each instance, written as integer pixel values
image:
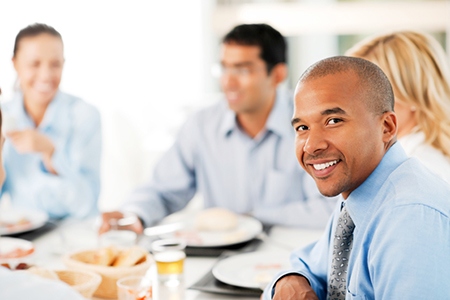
(401, 245)
(259, 176)
(75, 130)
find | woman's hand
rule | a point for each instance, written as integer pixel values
(32, 141)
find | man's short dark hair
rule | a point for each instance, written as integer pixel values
(272, 44)
(376, 87)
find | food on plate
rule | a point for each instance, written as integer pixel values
(130, 257)
(14, 224)
(16, 253)
(266, 271)
(14, 249)
(19, 266)
(112, 256)
(106, 256)
(263, 277)
(216, 219)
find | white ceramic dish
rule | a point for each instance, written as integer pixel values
(13, 221)
(246, 229)
(14, 251)
(251, 270)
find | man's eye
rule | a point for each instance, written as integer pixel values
(334, 121)
(244, 71)
(301, 128)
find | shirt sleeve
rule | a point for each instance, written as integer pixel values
(173, 183)
(75, 189)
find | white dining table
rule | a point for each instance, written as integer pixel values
(73, 235)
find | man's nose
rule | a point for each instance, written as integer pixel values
(229, 80)
(315, 143)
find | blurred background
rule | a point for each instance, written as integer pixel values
(147, 64)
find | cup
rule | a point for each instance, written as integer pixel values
(121, 238)
(134, 288)
(169, 256)
(9, 123)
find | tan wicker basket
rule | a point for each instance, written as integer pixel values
(84, 282)
(110, 275)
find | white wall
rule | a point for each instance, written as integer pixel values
(139, 62)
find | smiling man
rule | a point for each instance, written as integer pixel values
(238, 153)
(389, 237)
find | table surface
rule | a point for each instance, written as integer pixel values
(72, 235)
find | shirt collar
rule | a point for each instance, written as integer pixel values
(50, 113)
(362, 202)
(278, 121)
(52, 110)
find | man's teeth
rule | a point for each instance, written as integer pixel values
(319, 167)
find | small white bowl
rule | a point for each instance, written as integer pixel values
(14, 251)
(121, 238)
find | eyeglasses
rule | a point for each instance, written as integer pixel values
(219, 70)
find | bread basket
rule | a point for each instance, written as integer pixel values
(84, 282)
(110, 275)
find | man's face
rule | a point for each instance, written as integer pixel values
(244, 80)
(339, 142)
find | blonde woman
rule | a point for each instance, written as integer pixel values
(419, 71)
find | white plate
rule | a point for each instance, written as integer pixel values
(251, 270)
(34, 219)
(14, 251)
(247, 229)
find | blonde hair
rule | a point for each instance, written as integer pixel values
(419, 72)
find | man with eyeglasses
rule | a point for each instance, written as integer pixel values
(239, 153)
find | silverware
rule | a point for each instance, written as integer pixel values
(163, 229)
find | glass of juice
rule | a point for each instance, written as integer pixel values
(169, 256)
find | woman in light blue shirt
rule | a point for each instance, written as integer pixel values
(53, 139)
(21, 285)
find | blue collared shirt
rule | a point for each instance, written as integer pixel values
(401, 242)
(75, 130)
(259, 176)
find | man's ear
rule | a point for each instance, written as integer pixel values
(389, 127)
(279, 73)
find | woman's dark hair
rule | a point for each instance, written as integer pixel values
(34, 30)
(272, 44)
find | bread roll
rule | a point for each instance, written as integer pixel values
(130, 257)
(216, 219)
(105, 256)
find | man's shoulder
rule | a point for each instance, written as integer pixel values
(414, 184)
(208, 114)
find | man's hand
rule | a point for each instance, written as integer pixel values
(32, 141)
(294, 287)
(109, 218)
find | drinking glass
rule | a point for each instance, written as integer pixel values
(134, 288)
(169, 256)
